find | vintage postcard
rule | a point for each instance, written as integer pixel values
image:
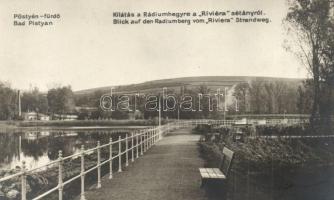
(166, 100)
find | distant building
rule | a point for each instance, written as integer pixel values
(43, 117)
(29, 116)
(86, 109)
(66, 117)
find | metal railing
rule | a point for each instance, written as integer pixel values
(140, 141)
(248, 121)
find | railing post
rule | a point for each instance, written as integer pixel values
(144, 136)
(148, 139)
(24, 182)
(137, 144)
(141, 143)
(132, 149)
(82, 195)
(126, 150)
(151, 134)
(119, 154)
(98, 165)
(151, 137)
(157, 134)
(60, 175)
(110, 158)
(154, 135)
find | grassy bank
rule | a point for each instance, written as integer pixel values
(261, 153)
(271, 168)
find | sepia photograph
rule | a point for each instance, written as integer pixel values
(167, 100)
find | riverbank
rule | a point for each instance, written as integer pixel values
(262, 152)
(7, 125)
(75, 123)
(42, 180)
(265, 168)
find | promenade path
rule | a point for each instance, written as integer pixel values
(167, 171)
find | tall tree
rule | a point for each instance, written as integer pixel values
(8, 102)
(61, 100)
(206, 103)
(310, 27)
(257, 97)
(240, 93)
(34, 100)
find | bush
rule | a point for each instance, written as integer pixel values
(280, 130)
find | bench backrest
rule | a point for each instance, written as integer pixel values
(226, 161)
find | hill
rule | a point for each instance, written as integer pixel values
(212, 82)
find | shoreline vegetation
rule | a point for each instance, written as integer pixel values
(43, 179)
(261, 152)
(272, 166)
(8, 125)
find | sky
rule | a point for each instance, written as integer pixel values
(85, 49)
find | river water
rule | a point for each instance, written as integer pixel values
(38, 147)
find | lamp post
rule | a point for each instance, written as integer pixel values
(159, 119)
(225, 103)
(19, 102)
(178, 113)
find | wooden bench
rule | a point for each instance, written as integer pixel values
(220, 173)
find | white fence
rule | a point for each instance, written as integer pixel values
(140, 141)
(136, 143)
(249, 121)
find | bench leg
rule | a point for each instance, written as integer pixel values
(203, 182)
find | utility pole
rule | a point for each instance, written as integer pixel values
(19, 95)
(178, 112)
(159, 119)
(178, 105)
(225, 103)
(159, 111)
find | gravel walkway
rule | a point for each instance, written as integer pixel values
(169, 170)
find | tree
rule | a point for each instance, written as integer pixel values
(311, 28)
(305, 96)
(34, 101)
(206, 101)
(61, 100)
(240, 93)
(8, 102)
(257, 97)
(275, 96)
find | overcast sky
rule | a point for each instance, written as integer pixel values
(84, 49)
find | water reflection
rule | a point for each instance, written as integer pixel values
(37, 148)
